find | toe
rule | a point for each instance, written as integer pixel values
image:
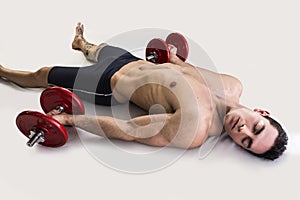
(79, 28)
(82, 28)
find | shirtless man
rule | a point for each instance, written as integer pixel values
(194, 105)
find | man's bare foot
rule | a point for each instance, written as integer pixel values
(1, 70)
(79, 40)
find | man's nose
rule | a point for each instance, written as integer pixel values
(245, 130)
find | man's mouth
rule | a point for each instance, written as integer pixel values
(235, 122)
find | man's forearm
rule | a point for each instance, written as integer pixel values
(137, 128)
(99, 125)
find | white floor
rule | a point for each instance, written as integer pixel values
(257, 41)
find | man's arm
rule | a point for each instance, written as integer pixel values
(154, 130)
(148, 129)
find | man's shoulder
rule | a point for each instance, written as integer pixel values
(232, 85)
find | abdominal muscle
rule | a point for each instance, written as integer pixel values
(147, 84)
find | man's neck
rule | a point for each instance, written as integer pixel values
(224, 106)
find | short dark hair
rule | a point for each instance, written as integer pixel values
(279, 145)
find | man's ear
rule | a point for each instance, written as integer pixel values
(262, 112)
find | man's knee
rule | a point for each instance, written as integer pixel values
(93, 53)
(41, 76)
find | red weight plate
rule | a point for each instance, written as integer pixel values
(55, 134)
(58, 96)
(160, 47)
(180, 43)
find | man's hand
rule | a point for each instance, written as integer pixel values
(173, 57)
(62, 117)
(172, 48)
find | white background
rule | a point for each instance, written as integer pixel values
(256, 41)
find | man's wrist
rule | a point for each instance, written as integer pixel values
(69, 120)
(175, 59)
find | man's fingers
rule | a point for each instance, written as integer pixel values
(172, 48)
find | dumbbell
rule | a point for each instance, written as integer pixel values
(42, 128)
(157, 50)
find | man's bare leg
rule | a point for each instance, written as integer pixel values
(91, 51)
(40, 77)
(26, 78)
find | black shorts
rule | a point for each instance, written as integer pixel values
(92, 83)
